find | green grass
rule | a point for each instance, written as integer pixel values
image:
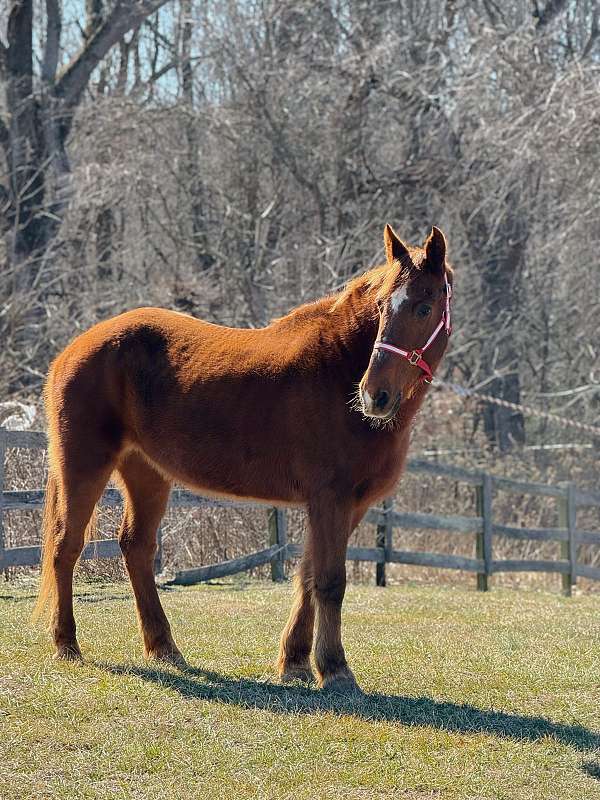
(468, 696)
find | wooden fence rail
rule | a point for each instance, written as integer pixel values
(482, 526)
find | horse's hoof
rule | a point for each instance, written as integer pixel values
(297, 673)
(68, 652)
(168, 655)
(341, 683)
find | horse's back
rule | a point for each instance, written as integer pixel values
(149, 340)
(201, 401)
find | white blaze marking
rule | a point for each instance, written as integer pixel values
(397, 298)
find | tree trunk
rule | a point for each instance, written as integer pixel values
(26, 151)
(192, 175)
(500, 356)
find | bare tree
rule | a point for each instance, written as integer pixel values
(39, 116)
(260, 177)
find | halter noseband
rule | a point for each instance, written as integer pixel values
(415, 357)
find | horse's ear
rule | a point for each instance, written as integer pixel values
(395, 249)
(435, 251)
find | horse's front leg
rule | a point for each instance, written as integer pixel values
(330, 522)
(297, 636)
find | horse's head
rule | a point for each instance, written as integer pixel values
(414, 323)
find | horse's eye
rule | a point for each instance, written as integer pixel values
(423, 310)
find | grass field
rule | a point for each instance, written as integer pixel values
(467, 696)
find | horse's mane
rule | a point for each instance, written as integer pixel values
(379, 282)
(369, 283)
(375, 284)
(357, 287)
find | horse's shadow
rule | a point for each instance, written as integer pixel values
(411, 711)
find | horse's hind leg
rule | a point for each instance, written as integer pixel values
(75, 483)
(146, 497)
(297, 636)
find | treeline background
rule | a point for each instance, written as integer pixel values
(234, 158)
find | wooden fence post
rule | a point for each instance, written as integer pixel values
(383, 540)
(158, 558)
(3, 439)
(567, 518)
(278, 536)
(483, 540)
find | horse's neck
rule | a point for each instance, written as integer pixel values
(336, 332)
(356, 316)
(350, 328)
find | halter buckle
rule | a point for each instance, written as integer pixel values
(414, 357)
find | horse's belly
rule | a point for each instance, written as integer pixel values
(227, 467)
(274, 440)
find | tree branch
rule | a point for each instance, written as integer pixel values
(19, 56)
(3, 57)
(162, 71)
(125, 15)
(94, 12)
(594, 32)
(553, 9)
(4, 136)
(52, 47)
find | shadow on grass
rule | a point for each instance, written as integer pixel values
(17, 598)
(79, 598)
(592, 768)
(412, 711)
(100, 598)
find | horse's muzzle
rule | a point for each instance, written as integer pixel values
(382, 405)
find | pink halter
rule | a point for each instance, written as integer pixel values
(415, 357)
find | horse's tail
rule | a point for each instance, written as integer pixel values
(52, 508)
(54, 522)
(47, 589)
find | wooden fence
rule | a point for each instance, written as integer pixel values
(386, 518)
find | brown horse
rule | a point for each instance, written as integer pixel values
(314, 410)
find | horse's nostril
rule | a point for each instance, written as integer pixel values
(381, 399)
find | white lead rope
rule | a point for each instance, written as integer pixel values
(462, 391)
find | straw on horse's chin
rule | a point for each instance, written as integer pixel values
(386, 422)
(382, 423)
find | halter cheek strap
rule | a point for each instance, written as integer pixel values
(415, 357)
